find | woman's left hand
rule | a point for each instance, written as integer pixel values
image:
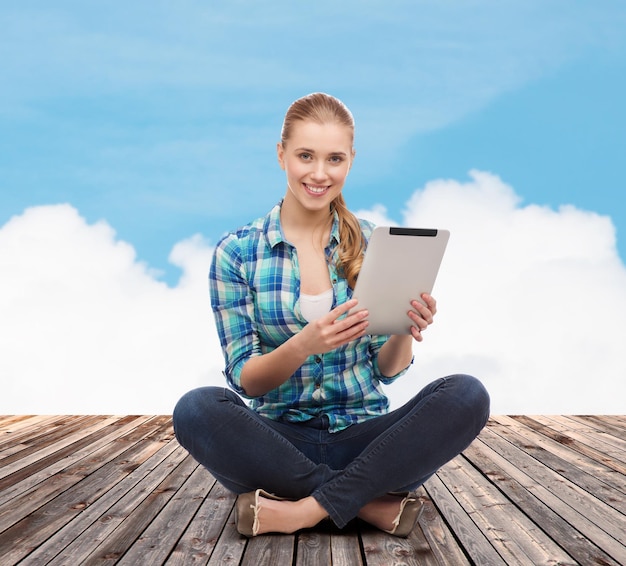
(422, 315)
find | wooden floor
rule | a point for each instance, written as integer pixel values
(120, 490)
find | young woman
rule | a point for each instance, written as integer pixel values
(317, 438)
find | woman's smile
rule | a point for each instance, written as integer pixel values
(316, 190)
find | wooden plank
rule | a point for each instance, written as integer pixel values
(583, 440)
(41, 437)
(199, 539)
(230, 546)
(269, 550)
(78, 536)
(618, 420)
(34, 528)
(133, 524)
(15, 429)
(598, 433)
(536, 504)
(12, 425)
(105, 489)
(589, 434)
(566, 448)
(33, 478)
(50, 447)
(553, 456)
(605, 425)
(327, 544)
(441, 540)
(17, 436)
(517, 539)
(313, 548)
(345, 548)
(475, 543)
(50, 430)
(160, 537)
(44, 492)
(578, 508)
(6, 421)
(381, 549)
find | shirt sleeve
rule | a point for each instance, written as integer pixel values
(374, 348)
(232, 302)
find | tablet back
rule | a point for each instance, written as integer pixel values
(399, 265)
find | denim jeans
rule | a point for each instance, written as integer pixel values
(342, 470)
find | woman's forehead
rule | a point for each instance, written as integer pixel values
(307, 133)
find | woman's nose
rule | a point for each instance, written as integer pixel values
(319, 170)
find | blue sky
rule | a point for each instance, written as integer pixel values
(162, 118)
(156, 124)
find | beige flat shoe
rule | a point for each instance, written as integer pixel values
(247, 509)
(410, 512)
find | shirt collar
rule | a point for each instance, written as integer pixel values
(274, 231)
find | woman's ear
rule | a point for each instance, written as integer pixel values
(280, 152)
(351, 161)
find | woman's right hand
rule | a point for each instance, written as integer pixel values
(328, 332)
(261, 374)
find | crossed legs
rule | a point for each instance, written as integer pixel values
(360, 465)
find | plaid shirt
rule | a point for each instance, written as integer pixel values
(255, 289)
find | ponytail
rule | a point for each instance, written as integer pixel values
(352, 243)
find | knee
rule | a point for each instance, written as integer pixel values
(194, 407)
(476, 391)
(474, 397)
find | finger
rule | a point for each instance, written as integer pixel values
(353, 316)
(419, 323)
(341, 336)
(417, 335)
(423, 312)
(430, 301)
(353, 332)
(336, 332)
(341, 309)
(354, 320)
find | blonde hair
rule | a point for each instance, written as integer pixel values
(322, 109)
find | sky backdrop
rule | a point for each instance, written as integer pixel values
(133, 135)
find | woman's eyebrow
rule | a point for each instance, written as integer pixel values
(307, 150)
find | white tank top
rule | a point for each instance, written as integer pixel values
(315, 306)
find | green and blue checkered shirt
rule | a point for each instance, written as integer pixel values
(255, 289)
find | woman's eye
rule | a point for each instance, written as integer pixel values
(336, 159)
(305, 156)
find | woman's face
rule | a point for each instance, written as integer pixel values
(316, 160)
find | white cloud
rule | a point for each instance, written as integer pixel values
(530, 300)
(86, 328)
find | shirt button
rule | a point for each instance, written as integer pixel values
(317, 359)
(317, 395)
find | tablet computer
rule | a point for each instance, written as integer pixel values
(399, 265)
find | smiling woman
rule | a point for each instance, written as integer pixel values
(316, 152)
(318, 432)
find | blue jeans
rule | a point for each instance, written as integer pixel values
(342, 470)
